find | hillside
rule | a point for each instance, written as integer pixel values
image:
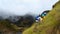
(49, 25)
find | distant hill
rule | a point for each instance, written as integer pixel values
(16, 23)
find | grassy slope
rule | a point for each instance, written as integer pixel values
(50, 25)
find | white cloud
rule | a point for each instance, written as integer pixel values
(24, 6)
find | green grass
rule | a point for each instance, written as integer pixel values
(50, 24)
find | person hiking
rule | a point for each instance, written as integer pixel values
(38, 18)
(44, 13)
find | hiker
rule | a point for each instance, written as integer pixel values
(44, 14)
(38, 18)
(37, 22)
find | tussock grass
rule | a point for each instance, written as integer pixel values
(50, 25)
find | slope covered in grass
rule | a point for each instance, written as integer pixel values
(50, 24)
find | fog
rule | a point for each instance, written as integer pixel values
(22, 7)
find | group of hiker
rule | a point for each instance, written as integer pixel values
(40, 17)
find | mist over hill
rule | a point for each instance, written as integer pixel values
(4, 14)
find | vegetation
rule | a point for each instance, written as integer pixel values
(49, 25)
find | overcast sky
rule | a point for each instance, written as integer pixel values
(21, 7)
